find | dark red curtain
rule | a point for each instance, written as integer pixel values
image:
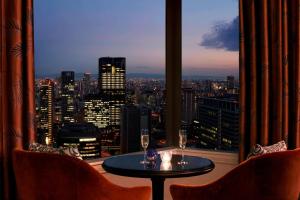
(269, 73)
(17, 106)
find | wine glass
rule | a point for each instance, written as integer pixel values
(144, 143)
(182, 144)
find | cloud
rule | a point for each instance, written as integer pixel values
(224, 35)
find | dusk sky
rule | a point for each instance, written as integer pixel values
(73, 34)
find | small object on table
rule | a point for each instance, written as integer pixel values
(166, 156)
(144, 143)
(182, 145)
(151, 155)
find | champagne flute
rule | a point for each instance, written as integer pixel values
(182, 144)
(144, 143)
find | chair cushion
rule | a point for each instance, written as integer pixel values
(259, 150)
(70, 151)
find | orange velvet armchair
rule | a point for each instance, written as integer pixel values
(273, 176)
(44, 176)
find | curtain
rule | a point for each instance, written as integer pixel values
(17, 106)
(269, 73)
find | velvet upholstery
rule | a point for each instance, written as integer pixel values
(17, 86)
(44, 176)
(273, 176)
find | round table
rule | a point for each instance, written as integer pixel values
(130, 166)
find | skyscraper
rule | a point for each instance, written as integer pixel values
(45, 131)
(130, 129)
(188, 105)
(87, 89)
(112, 82)
(145, 118)
(231, 89)
(68, 96)
(230, 82)
(133, 119)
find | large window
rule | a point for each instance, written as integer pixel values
(210, 81)
(100, 74)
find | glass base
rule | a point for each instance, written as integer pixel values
(182, 162)
(144, 162)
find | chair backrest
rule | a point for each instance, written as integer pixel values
(269, 176)
(44, 176)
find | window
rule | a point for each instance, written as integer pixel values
(210, 82)
(100, 67)
(100, 74)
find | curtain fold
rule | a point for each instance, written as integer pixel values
(17, 106)
(269, 73)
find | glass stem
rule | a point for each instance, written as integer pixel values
(144, 155)
(182, 156)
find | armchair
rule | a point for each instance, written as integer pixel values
(269, 176)
(45, 176)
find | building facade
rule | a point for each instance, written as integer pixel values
(67, 96)
(96, 111)
(46, 112)
(112, 86)
(133, 119)
(218, 123)
(85, 136)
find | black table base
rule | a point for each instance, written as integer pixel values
(158, 188)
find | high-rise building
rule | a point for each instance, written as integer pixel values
(130, 129)
(145, 118)
(230, 82)
(68, 96)
(218, 123)
(231, 89)
(133, 119)
(46, 112)
(188, 105)
(96, 111)
(111, 83)
(85, 136)
(87, 85)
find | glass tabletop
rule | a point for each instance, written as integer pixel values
(129, 165)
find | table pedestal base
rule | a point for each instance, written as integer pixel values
(158, 188)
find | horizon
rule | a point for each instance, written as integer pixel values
(79, 76)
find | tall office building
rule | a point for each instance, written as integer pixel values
(231, 88)
(130, 129)
(46, 112)
(133, 119)
(96, 111)
(188, 105)
(87, 85)
(218, 123)
(145, 118)
(112, 82)
(230, 82)
(68, 96)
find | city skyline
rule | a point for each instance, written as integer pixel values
(83, 32)
(106, 102)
